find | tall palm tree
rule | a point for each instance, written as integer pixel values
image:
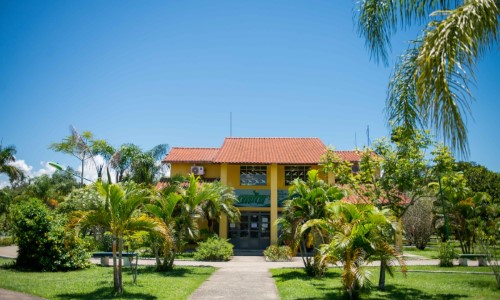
(121, 216)
(356, 233)
(308, 201)
(430, 84)
(6, 158)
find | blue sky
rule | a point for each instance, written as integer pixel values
(171, 72)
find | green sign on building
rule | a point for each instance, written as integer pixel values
(259, 198)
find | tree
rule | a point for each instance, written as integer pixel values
(76, 145)
(120, 215)
(308, 201)
(163, 208)
(480, 179)
(418, 222)
(45, 243)
(356, 234)
(430, 84)
(6, 159)
(221, 202)
(405, 172)
(145, 165)
(105, 150)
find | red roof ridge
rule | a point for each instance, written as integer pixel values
(208, 148)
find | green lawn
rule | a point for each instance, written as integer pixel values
(97, 283)
(295, 284)
(428, 252)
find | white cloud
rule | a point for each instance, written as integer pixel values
(45, 170)
(22, 165)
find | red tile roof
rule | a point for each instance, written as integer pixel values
(259, 151)
(191, 155)
(271, 150)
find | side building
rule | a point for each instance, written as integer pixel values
(260, 170)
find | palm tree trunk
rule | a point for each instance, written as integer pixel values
(120, 250)
(115, 267)
(381, 280)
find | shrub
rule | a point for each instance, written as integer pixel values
(44, 242)
(278, 253)
(214, 249)
(417, 222)
(446, 254)
(6, 241)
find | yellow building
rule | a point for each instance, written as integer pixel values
(260, 170)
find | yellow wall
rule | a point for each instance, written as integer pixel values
(211, 170)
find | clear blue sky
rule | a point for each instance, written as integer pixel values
(151, 72)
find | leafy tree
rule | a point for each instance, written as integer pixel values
(308, 201)
(120, 216)
(45, 244)
(105, 150)
(430, 84)
(405, 172)
(340, 168)
(6, 159)
(145, 165)
(480, 179)
(356, 233)
(52, 189)
(76, 145)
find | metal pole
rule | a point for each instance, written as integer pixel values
(446, 233)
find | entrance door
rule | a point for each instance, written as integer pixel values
(253, 231)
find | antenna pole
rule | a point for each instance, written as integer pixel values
(355, 141)
(368, 134)
(231, 124)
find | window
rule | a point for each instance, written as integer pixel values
(292, 172)
(355, 167)
(253, 175)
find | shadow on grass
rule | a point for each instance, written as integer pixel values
(106, 293)
(400, 292)
(175, 272)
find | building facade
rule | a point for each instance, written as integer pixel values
(260, 170)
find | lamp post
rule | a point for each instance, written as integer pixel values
(446, 233)
(60, 168)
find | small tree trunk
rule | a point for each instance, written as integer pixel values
(381, 280)
(120, 250)
(116, 280)
(398, 236)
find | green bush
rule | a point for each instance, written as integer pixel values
(214, 249)
(6, 241)
(446, 254)
(278, 253)
(44, 242)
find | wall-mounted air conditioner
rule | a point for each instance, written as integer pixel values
(197, 170)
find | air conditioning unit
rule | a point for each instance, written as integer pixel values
(197, 170)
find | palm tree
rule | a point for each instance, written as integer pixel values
(6, 158)
(163, 209)
(121, 216)
(430, 84)
(308, 201)
(189, 210)
(221, 201)
(356, 234)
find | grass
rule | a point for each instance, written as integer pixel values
(97, 283)
(428, 252)
(295, 284)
